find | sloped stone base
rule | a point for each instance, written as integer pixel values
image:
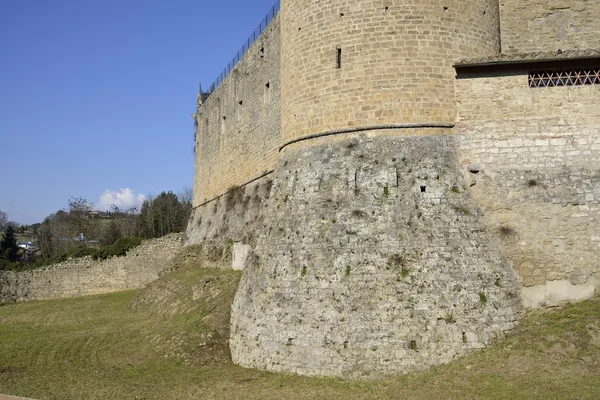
(372, 261)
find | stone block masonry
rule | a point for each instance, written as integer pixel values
(534, 156)
(549, 25)
(372, 260)
(84, 276)
(235, 217)
(417, 202)
(396, 60)
(239, 124)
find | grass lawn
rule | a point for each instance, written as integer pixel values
(169, 341)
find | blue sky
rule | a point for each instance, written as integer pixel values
(97, 95)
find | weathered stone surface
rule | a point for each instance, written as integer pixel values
(556, 292)
(373, 260)
(236, 215)
(396, 60)
(539, 151)
(239, 257)
(238, 127)
(545, 25)
(84, 276)
(320, 295)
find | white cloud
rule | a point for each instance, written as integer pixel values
(124, 199)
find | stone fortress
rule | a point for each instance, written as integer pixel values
(400, 179)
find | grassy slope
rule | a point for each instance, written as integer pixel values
(169, 341)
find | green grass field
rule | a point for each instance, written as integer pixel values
(169, 341)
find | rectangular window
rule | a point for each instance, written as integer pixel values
(339, 58)
(564, 77)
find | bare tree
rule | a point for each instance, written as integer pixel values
(78, 217)
(125, 221)
(186, 196)
(3, 220)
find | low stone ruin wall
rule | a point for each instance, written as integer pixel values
(85, 276)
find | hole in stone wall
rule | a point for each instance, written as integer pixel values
(241, 102)
(423, 189)
(267, 94)
(341, 15)
(413, 345)
(262, 52)
(464, 337)
(339, 57)
(445, 8)
(290, 342)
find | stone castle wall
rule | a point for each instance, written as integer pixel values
(409, 214)
(84, 276)
(549, 25)
(534, 155)
(372, 260)
(396, 60)
(234, 217)
(396, 69)
(239, 124)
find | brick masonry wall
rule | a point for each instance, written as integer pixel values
(84, 276)
(549, 25)
(396, 60)
(239, 125)
(372, 260)
(534, 156)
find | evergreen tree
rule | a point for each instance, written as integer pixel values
(162, 215)
(113, 232)
(9, 250)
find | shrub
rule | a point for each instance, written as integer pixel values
(506, 232)
(118, 248)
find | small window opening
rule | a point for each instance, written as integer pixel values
(262, 52)
(267, 96)
(241, 102)
(341, 14)
(339, 58)
(423, 189)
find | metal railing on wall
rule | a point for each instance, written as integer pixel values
(251, 39)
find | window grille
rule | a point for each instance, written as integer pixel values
(565, 77)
